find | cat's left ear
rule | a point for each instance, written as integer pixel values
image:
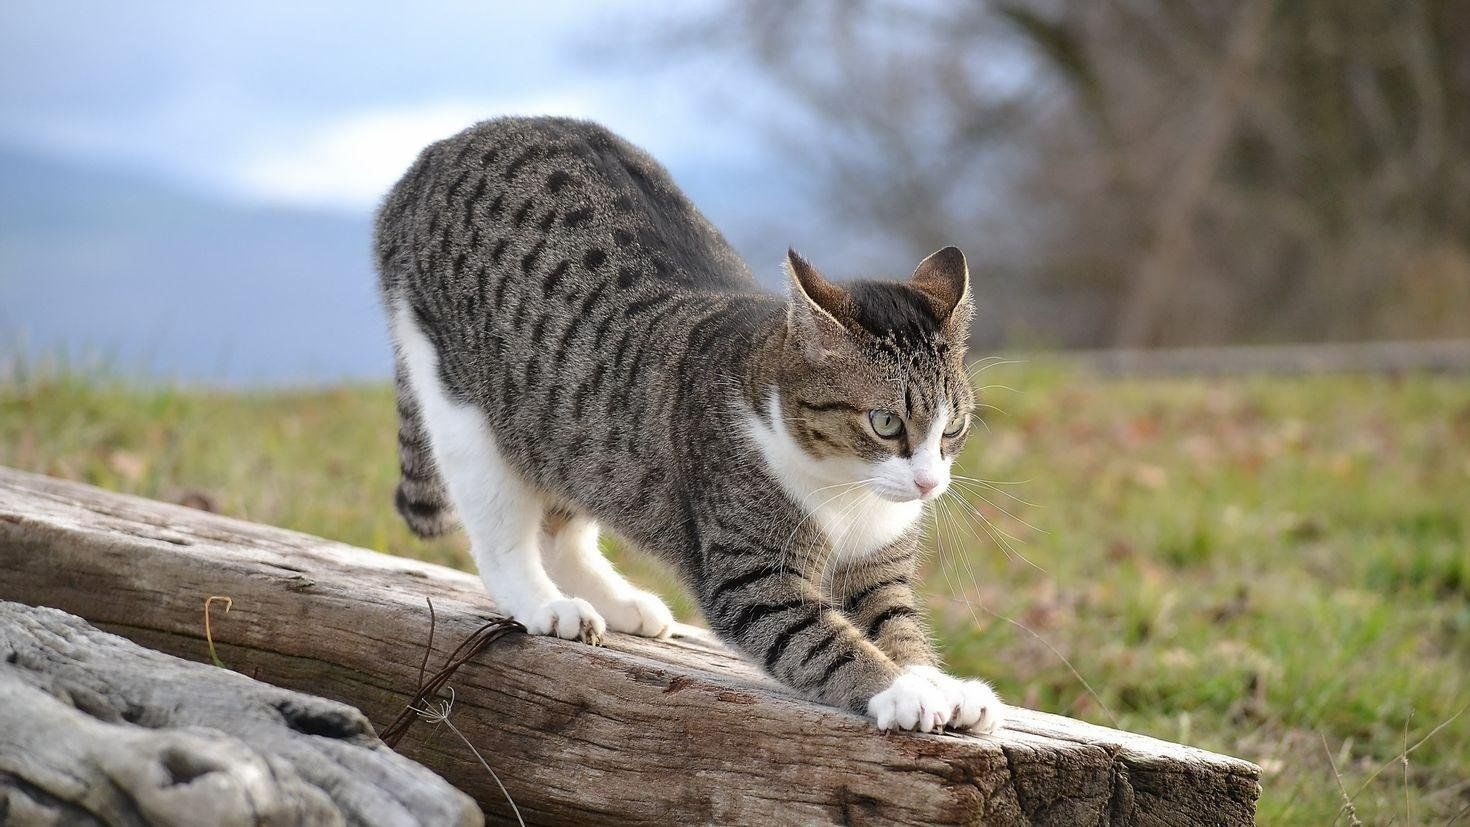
(818, 312)
(944, 278)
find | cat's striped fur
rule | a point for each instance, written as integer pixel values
(578, 347)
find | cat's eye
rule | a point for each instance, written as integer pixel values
(885, 424)
(956, 426)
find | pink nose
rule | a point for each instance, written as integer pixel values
(925, 485)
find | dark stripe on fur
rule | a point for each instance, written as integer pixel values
(830, 406)
(751, 614)
(820, 647)
(887, 615)
(778, 646)
(837, 663)
(740, 581)
(855, 600)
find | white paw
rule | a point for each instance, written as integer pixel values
(569, 618)
(973, 704)
(910, 702)
(640, 613)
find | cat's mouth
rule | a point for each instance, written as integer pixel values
(893, 493)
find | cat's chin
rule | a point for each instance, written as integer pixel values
(889, 495)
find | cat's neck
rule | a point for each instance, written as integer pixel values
(761, 372)
(855, 520)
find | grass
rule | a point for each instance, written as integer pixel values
(1278, 569)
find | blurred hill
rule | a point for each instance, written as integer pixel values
(100, 264)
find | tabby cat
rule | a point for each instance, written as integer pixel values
(577, 348)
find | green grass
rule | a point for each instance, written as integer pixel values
(1248, 565)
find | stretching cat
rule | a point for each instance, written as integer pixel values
(577, 347)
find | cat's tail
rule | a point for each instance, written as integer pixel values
(421, 497)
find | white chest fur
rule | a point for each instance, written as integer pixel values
(860, 523)
(855, 519)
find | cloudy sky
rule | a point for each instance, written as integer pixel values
(323, 105)
(185, 186)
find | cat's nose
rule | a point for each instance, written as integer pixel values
(925, 484)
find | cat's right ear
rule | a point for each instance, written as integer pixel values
(817, 309)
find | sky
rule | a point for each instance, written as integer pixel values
(323, 105)
(238, 150)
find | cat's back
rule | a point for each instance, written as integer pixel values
(554, 199)
(571, 294)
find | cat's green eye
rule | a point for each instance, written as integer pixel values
(885, 424)
(956, 426)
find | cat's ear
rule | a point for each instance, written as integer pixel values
(944, 278)
(818, 310)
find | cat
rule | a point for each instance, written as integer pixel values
(577, 348)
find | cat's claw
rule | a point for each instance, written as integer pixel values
(910, 702)
(640, 613)
(569, 618)
(974, 705)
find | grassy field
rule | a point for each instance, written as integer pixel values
(1274, 568)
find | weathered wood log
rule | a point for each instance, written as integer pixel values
(95, 729)
(636, 731)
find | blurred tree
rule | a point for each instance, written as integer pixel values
(1145, 172)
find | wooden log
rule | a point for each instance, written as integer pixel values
(95, 729)
(636, 731)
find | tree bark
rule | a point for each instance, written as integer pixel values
(636, 731)
(95, 729)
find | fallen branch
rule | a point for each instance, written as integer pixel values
(635, 731)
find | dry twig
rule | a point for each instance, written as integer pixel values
(208, 632)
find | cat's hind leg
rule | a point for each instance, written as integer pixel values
(501, 512)
(579, 567)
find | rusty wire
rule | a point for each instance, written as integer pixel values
(473, 644)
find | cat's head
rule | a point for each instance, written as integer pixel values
(873, 386)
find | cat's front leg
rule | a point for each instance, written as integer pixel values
(779, 620)
(878, 596)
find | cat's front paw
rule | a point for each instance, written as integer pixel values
(974, 706)
(569, 618)
(910, 702)
(640, 613)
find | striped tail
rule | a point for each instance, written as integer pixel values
(420, 497)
